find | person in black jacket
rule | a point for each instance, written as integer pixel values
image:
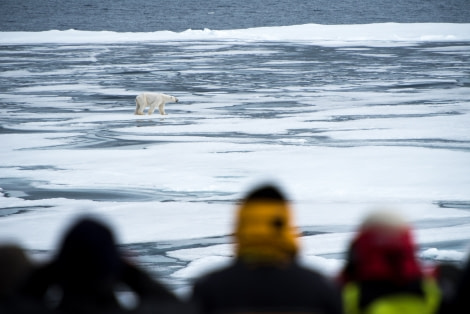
(460, 301)
(15, 266)
(88, 271)
(265, 276)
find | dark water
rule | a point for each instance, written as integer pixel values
(179, 15)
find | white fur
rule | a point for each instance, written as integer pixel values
(152, 100)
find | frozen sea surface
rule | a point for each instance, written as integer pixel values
(345, 119)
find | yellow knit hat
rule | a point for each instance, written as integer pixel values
(264, 231)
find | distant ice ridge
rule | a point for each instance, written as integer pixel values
(314, 33)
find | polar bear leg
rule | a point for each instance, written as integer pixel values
(152, 108)
(139, 105)
(161, 108)
(137, 108)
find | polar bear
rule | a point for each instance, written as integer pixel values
(152, 100)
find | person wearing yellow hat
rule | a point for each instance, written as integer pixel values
(265, 275)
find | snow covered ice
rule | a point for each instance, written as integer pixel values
(346, 118)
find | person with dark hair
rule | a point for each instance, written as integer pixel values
(88, 270)
(15, 266)
(460, 301)
(448, 276)
(265, 276)
(382, 274)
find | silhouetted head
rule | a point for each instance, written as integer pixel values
(264, 231)
(14, 268)
(88, 254)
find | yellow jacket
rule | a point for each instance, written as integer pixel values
(397, 303)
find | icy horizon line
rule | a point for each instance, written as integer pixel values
(313, 33)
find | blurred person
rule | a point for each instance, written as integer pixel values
(87, 272)
(382, 274)
(460, 302)
(448, 276)
(265, 276)
(15, 266)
